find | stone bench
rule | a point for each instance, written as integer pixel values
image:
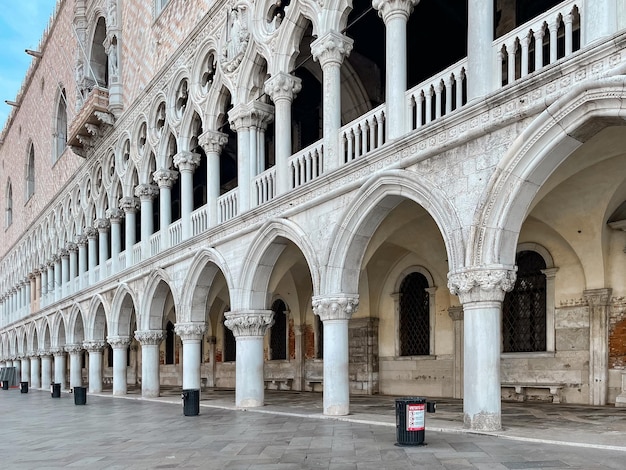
(107, 380)
(314, 384)
(521, 389)
(278, 384)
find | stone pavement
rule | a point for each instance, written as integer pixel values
(290, 432)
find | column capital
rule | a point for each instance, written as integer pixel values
(283, 86)
(102, 225)
(33, 275)
(212, 141)
(94, 346)
(251, 114)
(331, 48)
(90, 232)
(74, 348)
(598, 297)
(482, 284)
(57, 351)
(165, 178)
(387, 9)
(249, 322)
(149, 337)
(186, 160)
(53, 260)
(81, 240)
(72, 247)
(114, 215)
(64, 253)
(119, 342)
(190, 331)
(335, 307)
(44, 353)
(456, 313)
(129, 204)
(146, 191)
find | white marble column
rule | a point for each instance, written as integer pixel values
(212, 143)
(249, 327)
(64, 255)
(186, 162)
(599, 307)
(481, 291)
(46, 369)
(17, 363)
(150, 374)
(35, 381)
(395, 14)
(212, 343)
(456, 314)
(58, 282)
(600, 21)
(146, 193)
(76, 376)
(620, 400)
(191, 335)
(72, 249)
(165, 179)
(82, 242)
(30, 292)
(43, 270)
(120, 359)
(102, 226)
(24, 369)
(335, 312)
(330, 50)
(480, 80)
(92, 256)
(282, 88)
(94, 348)
(59, 367)
(115, 216)
(130, 205)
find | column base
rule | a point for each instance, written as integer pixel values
(483, 421)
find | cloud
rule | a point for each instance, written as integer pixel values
(21, 27)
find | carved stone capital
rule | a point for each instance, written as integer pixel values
(190, 331)
(283, 86)
(90, 232)
(102, 225)
(335, 307)
(331, 49)
(598, 297)
(119, 342)
(212, 141)
(115, 215)
(186, 161)
(254, 114)
(44, 353)
(72, 247)
(456, 313)
(388, 9)
(249, 322)
(94, 346)
(482, 284)
(165, 178)
(146, 191)
(74, 348)
(129, 204)
(81, 240)
(64, 253)
(57, 351)
(149, 337)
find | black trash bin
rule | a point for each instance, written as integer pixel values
(410, 422)
(5, 385)
(80, 395)
(55, 390)
(191, 402)
(23, 387)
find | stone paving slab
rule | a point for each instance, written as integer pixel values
(40, 432)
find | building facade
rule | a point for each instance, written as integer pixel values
(348, 197)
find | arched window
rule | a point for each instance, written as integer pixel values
(278, 332)
(60, 127)
(414, 316)
(524, 308)
(230, 349)
(8, 215)
(170, 337)
(30, 173)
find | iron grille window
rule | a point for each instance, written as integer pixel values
(169, 343)
(414, 316)
(524, 308)
(230, 349)
(278, 332)
(319, 353)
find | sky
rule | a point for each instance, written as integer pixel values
(22, 23)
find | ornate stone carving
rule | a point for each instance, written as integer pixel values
(388, 8)
(165, 178)
(118, 342)
(237, 38)
(44, 353)
(212, 141)
(129, 204)
(283, 86)
(72, 247)
(186, 160)
(149, 337)
(455, 313)
(146, 191)
(102, 225)
(90, 232)
(190, 331)
(339, 307)
(250, 322)
(94, 346)
(74, 348)
(482, 283)
(115, 215)
(331, 48)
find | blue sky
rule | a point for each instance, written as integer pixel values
(22, 23)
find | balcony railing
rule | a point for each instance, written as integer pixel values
(363, 135)
(306, 165)
(89, 121)
(265, 186)
(227, 206)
